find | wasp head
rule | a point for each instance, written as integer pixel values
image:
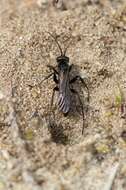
(62, 59)
(62, 62)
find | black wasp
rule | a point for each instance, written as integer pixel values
(61, 77)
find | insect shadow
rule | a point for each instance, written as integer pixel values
(64, 83)
(57, 133)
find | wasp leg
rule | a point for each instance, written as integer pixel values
(71, 66)
(47, 77)
(82, 81)
(82, 109)
(55, 78)
(52, 100)
(52, 68)
(54, 74)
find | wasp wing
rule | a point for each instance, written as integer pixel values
(64, 92)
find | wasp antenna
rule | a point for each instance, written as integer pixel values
(56, 42)
(67, 46)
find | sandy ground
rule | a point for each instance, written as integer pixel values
(33, 155)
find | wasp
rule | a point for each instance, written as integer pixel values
(61, 77)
